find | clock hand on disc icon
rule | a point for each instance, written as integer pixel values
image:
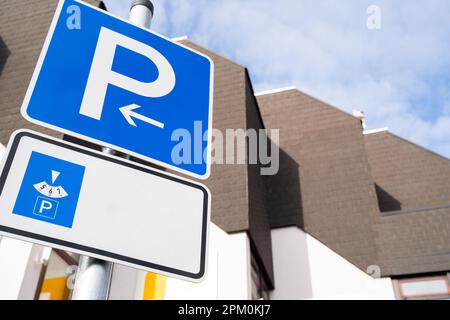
(49, 190)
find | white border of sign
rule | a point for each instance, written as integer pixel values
(37, 70)
(90, 251)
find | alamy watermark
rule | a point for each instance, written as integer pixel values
(374, 17)
(71, 272)
(231, 146)
(73, 21)
(374, 271)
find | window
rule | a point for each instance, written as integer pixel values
(57, 276)
(434, 287)
(259, 287)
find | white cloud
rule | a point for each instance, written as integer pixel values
(399, 75)
(118, 7)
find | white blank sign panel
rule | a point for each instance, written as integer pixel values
(65, 196)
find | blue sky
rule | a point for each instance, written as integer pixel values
(398, 75)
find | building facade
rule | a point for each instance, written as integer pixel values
(349, 214)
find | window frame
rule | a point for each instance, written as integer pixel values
(403, 296)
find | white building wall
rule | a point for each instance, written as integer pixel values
(304, 268)
(228, 273)
(228, 270)
(2, 151)
(126, 283)
(20, 269)
(20, 266)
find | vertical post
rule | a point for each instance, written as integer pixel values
(94, 275)
(141, 13)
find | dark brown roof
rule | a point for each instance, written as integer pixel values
(407, 175)
(324, 185)
(334, 180)
(413, 186)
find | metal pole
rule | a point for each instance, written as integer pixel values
(93, 278)
(141, 13)
(94, 275)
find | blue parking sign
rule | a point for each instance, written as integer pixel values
(105, 80)
(49, 190)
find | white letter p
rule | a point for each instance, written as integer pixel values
(101, 73)
(45, 205)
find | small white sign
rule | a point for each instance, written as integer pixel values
(61, 195)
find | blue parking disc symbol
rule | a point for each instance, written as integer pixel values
(50, 190)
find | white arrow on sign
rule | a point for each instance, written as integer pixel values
(128, 113)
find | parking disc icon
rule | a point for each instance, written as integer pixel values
(50, 189)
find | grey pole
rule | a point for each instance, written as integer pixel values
(94, 275)
(93, 279)
(141, 13)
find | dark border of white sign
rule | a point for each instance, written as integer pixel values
(10, 153)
